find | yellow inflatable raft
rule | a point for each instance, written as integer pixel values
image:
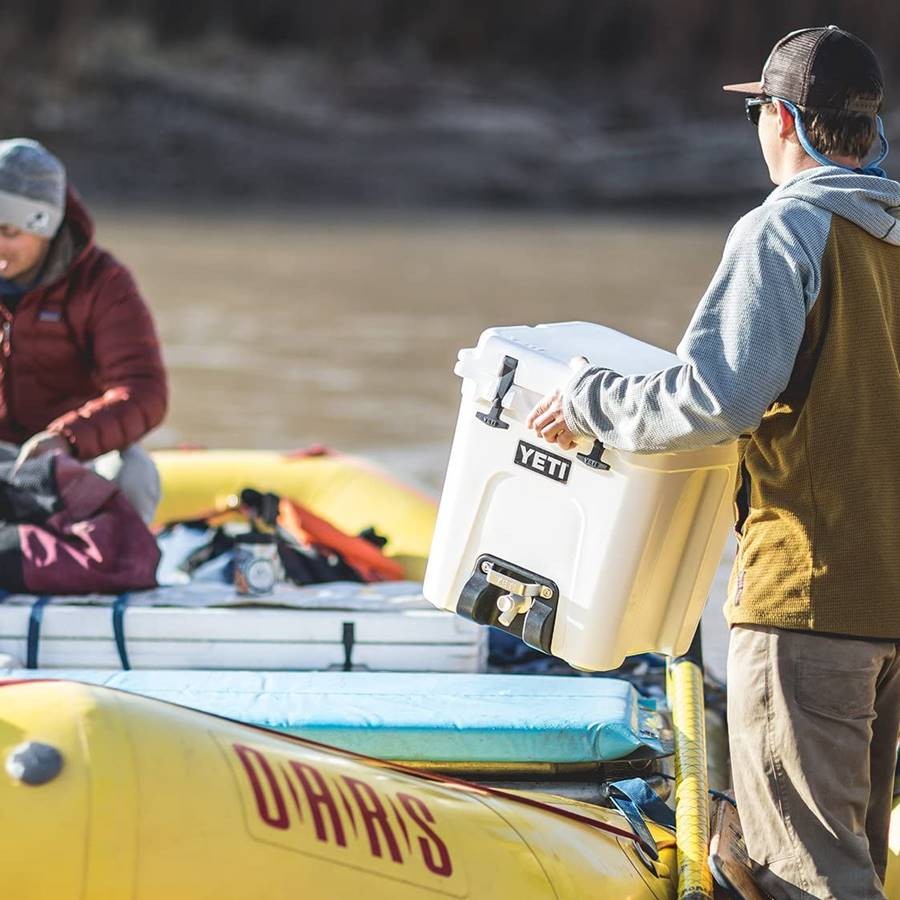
(108, 796)
(348, 492)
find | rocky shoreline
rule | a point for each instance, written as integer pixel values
(220, 123)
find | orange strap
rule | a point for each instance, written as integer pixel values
(363, 555)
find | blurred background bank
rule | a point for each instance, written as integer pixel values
(323, 201)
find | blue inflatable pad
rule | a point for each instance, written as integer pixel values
(418, 717)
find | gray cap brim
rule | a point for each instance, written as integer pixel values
(33, 216)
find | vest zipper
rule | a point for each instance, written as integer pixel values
(742, 500)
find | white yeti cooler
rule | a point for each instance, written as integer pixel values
(591, 554)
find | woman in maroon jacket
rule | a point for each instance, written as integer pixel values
(80, 365)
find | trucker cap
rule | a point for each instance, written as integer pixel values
(821, 68)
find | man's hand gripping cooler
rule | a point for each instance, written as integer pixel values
(547, 418)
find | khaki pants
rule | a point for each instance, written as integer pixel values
(135, 474)
(813, 723)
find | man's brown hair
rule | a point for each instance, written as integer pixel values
(838, 133)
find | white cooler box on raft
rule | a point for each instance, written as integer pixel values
(592, 554)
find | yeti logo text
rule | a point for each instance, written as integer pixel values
(542, 462)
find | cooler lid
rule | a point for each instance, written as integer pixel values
(543, 353)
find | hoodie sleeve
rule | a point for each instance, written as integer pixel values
(737, 354)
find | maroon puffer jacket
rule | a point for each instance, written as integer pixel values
(80, 356)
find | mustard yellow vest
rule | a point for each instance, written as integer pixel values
(818, 494)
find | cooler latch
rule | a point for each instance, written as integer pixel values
(514, 599)
(507, 374)
(594, 459)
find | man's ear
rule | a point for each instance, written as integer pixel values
(786, 126)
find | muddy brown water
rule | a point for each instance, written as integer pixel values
(283, 331)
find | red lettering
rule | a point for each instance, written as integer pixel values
(347, 807)
(372, 813)
(293, 790)
(251, 759)
(422, 816)
(401, 823)
(318, 796)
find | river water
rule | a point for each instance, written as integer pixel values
(284, 331)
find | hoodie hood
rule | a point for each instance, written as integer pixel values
(868, 201)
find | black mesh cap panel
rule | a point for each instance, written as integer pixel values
(844, 73)
(787, 70)
(824, 68)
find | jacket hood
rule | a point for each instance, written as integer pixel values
(79, 220)
(73, 240)
(868, 201)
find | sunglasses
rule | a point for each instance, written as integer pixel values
(753, 107)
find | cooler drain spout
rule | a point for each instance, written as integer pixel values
(512, 598)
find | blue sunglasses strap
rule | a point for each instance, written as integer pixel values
(874, 167)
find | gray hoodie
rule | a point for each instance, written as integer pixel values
(739, 349)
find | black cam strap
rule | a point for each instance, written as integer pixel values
(35, 618)
(118, 623)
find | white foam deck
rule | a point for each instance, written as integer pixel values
(208, 627)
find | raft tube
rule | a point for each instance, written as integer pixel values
(107, 796)
(348, 492)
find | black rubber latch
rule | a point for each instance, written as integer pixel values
(594, 459)
(537, 629)
(507, 374)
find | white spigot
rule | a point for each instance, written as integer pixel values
(511, 606)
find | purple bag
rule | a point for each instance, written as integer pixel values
(66, 530)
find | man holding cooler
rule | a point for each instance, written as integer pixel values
(793, 349)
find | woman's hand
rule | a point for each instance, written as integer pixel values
(39, 444)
